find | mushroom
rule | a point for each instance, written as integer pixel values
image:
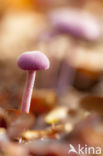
(31, 62)
(78, 24)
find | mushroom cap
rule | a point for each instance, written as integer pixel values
(75, 22)
(34, 60)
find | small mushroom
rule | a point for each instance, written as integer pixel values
(31, 62)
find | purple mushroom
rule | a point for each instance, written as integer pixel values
(75, 22)
(31, 62)
(78, 24)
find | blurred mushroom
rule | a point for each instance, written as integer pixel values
(75, 22)
(80, 25)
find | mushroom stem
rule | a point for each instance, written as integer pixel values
(67, 73)
(66, 77)
(28, 91)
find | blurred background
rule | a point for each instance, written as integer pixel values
(69, 32)
(67, 101)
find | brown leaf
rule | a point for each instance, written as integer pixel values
(43, 101)
(92, 104)
(22, 123)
